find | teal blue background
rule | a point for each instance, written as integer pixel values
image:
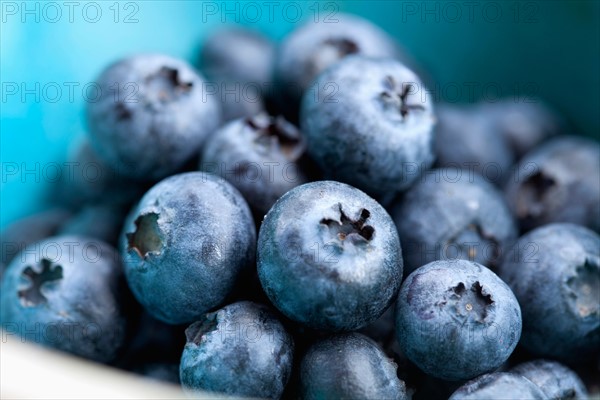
(547, 48)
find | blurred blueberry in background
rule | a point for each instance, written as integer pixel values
(51, 53)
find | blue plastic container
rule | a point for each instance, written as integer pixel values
(52, 51)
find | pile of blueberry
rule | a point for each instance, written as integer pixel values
(332, 235)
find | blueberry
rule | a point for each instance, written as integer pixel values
(383, 332)
(523, 124)
(555, 273)
(465, 138)
(329, 256)
(152, 115)
(499, 386)
(98, 221)
(89, 179)
(238, 55)
(451, 214)
(238, 62)
(63, 292)
(257, 155)
(368, 122)
(456, 319)
(349, 366)
(557, 182)
(240, 350)
(314, 46)
(554, 379)
(25, 231)
(237, 100)
(185, 245)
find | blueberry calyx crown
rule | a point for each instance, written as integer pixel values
(198, 329)
(584, 289)
(164, 85)
(171, 76)
(32, 295)
(474, 234)
(276, 131)
(330, 51)
(344, 46)
(146, 238)
(346, 228)
(122, 112)
(469, 302)
(396, 95)
(534, 190)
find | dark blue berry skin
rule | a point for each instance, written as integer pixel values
(369, 122)
(237, 100)
(155, 121)
(64, 292)
(89, 179)
(557, 182)
(238, 55)
(315, 46)
(98, 221)
(239, 350)
(25, 231)
(185, 245)
(259, 156)
(329, 256)
(456, 319)
(238, 65)
(499, 386)
(451, 214)
(554, 379)
(466, 138)
(383, 332)
(555, 273)
(349, 366)
(522, 124)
